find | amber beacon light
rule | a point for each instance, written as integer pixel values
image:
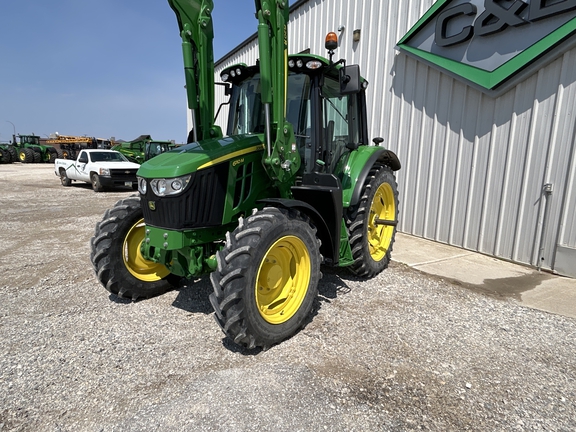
(331, 41)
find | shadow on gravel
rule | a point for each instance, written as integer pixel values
(193, 296)
(236, 349)
(88, 187)
(118, 300)
(333, 283)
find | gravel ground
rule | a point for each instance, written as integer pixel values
(403, 351)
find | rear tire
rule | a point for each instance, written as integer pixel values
(116, 255)
(370, 240)
(13, 153)
(5, 156)
(37, 156)
(267, 278)
(52, 155)
(64, 178)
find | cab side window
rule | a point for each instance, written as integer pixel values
(340, 122)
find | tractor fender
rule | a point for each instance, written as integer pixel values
(360, 168)
(323, 232)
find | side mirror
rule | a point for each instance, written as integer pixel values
(350, 79)
(83, 159)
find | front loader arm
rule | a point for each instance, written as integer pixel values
(197, 32)
(283, 159)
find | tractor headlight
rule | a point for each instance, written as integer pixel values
(142, 185)
(313, 64)
(173, 186)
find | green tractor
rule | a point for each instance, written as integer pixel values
(143, 148)
(29, 150)
(293, 185)
(8, 153)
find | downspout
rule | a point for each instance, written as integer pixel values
(547, 192)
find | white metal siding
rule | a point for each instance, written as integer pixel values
(474, 167)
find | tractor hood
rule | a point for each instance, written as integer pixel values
(200, 155)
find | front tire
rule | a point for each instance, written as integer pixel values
(116, 256)
(372, 223)
(26, 155)
(96, 185)
(267, 278)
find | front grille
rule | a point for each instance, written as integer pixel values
(200, 205)
(123, 174)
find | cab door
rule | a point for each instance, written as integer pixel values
(82, 166)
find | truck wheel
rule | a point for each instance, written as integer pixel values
(372, 223)
(64, 178)
(116, 256)
(26, 155)
(96, 185)
(267, 278)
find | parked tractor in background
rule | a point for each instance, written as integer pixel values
(8, 153)
(69, 146)
(143, 148)
(29, 149)
(294, 184)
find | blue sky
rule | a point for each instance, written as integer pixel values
(101, 68)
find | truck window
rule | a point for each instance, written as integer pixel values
(83, 158)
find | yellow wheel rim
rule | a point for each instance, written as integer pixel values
(136, 264)
(282, 280)
(22, 156)
(383, 208)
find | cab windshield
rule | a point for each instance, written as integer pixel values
(107, 157)
(247, 110)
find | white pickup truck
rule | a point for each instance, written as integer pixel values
(101, 168)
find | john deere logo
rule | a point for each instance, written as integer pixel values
(152, 205)
(488, 41)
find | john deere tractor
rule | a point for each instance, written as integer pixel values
(30, 150)
(294, 184)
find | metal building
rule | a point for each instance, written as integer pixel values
(488, 171)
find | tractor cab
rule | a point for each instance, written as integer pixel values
(155, 148)
(328, 123)
(29, 139)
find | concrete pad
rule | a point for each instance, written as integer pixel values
(556, 295)
(416, 251)
(538, 290)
